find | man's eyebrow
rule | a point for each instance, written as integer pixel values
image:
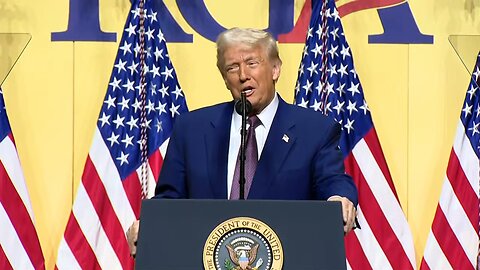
(252, 57)
(231, 64)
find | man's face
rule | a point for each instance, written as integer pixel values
(249, 70)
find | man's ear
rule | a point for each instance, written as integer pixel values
(277, 67)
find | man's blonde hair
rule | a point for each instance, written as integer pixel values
(247, 36)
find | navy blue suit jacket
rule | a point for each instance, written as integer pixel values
(308, 166)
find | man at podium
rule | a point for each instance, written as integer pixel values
(291, 153)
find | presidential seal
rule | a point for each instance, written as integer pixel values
(243, 243)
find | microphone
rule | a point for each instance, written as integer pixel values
(243, 107)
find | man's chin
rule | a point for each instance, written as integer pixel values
(256, 108)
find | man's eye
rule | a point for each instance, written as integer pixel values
(253, 63)
(232, 68)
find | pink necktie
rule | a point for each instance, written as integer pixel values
(251, 160)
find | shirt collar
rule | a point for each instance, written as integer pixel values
(266, 115)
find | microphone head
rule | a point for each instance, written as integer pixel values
(239, 107)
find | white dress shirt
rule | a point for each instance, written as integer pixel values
(261, 132)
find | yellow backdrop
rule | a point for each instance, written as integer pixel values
(54, 93)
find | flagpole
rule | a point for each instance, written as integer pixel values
(143, 98)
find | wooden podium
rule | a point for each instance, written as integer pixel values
(230, 235)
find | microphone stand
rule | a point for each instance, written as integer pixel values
(243, 133)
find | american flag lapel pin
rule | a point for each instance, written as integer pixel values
(285, 138)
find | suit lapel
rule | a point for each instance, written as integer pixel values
(280, 139)
(217, 140)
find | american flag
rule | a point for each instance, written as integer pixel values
(453, 242)
(142, 102)
(328, 83)
(19, 245)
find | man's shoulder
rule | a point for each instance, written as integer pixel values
(309, 123)
(212, 108)
(307, 115)
(207, 113)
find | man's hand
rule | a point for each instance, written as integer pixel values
(348, 210)
(132, 236)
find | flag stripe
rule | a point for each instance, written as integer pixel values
(382, 208)
(453, 242)
(10, 241)
(74, 238)
(371, 138)
(163, 148)
(463, 191)
(458, 222)
(467, 158)
(9, 157)
(90, 225)
(355, 254)
(68, 259)
(370, 246)
(151, 181)
(354, 250)
(381, 229)
(18, 218)
(156, 161)
(378, 184)
(435, 257)
(19, 244)
(4, 263)
(375, 255)
(424, 265)
(133, 190)
(105, 212)
(110, 178)
(449, 242)
(388, 199)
